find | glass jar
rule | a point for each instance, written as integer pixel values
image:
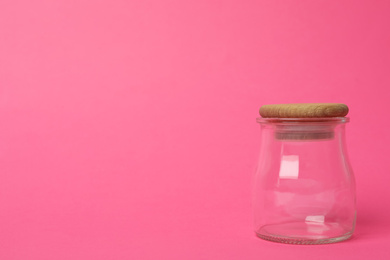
(304, 188)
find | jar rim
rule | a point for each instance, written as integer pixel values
(266, 120)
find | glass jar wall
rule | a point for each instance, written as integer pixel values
(304, 188)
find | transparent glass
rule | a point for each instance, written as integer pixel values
(304, 188)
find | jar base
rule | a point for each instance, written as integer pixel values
(303, 233)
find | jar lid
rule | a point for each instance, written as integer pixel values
(304, 110)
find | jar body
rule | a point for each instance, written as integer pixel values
(304, 188)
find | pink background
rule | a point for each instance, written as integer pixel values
(128, 127)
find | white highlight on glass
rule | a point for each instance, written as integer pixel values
(289, 167)
(315, 219)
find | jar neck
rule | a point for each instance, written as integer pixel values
(317, 141)
(304, 129)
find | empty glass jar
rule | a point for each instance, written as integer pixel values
(304, 188)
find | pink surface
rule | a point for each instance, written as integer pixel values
(128, 127)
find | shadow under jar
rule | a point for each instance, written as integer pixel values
(304, 188)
